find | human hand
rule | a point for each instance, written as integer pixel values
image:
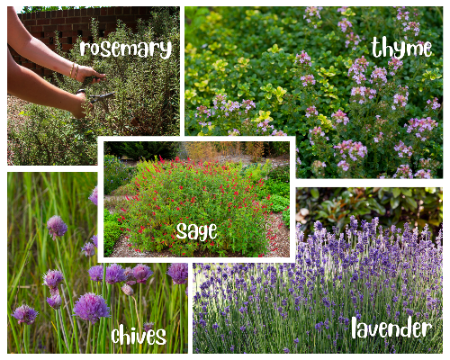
(80, 105)
(86, 72)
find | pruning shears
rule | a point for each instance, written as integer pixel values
(94, 98)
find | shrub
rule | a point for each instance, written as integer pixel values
(327, 90)
(115, 174)
(286, 217)
(166, 193)
(278, 203)
(276, 188)
(146, 100)
(111, 233)
(145, 150)
(280, 174)
(372, 274)
(393, 206)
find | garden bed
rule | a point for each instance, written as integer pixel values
(149, 202)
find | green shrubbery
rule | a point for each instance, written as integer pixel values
(111, 233)
(166, 193)
(313, 77)
(146, 101)
(393, 206)
(116, 174)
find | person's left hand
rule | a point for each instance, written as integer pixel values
(84, 72)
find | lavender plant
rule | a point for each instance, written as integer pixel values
(373, 274)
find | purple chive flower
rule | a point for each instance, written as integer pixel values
(148, 326)
(94, 196)
(89, 249)
(95, 240)
(91, 307)
(55, 301)
(114, 274)
(128, 290)
(56, 226)
(25, 314)
(96, 273)
(141, 273)
(53, 278)
(178, 273)
(129, 276)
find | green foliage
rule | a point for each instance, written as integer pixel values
(260, 72)
(167, 193)
(280, 173)
(143, 150)
(256, 171)
(32, 9)
(286, 216)
(146, 102)
(393, 206)
(277, 188)
(195, 18)
(278, 203)
(111, 233)
(115, 174)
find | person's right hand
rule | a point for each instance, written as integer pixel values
(85, 71)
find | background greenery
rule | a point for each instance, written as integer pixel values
(393, 206)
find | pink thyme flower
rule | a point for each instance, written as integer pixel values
(352, 40)
(303, 58)
(403, 172)
(340, 117)
(379, 75)
(400, 99)
(359, 66)
(344, 165)
(308, 80)
(402, 149)
(311, 111)
(433, 104)
(394, 65)
(423, 174)
(344, 24)
(56, 226)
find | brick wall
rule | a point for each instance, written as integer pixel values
(73, 23)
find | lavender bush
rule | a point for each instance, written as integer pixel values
(374, 274)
